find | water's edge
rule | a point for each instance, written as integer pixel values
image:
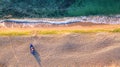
(67, 20)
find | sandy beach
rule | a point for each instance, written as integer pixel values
(67, 50)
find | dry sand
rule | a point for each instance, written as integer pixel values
(67, 50)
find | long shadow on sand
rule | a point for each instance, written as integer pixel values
(37, 57)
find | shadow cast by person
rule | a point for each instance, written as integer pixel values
(35, 54)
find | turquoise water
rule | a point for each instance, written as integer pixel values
(57, 8)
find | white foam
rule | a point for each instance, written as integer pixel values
(66, 20)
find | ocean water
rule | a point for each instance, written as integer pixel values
(57, 8)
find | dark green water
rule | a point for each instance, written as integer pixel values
(58, 8)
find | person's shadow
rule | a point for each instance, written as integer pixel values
(35, 54)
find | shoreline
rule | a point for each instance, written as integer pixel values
(66, 20)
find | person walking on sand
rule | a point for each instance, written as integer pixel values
(32, 49)
(35, 54)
